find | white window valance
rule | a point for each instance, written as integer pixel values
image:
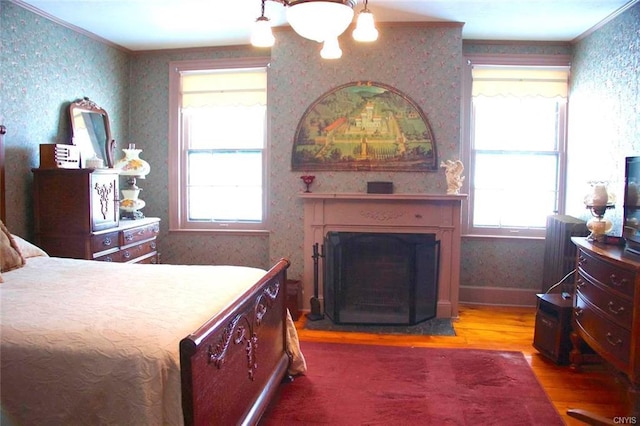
(548, 82)
(223, 88)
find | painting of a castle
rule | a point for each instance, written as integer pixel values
(364, 126)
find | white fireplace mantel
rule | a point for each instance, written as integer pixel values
(388, 213)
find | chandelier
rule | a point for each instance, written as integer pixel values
(319, 20)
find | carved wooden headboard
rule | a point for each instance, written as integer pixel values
(3, 130)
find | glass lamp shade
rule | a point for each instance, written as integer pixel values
(131, 164)
(598, 226)
(320, 20)
(131, 203)
(331, 49)
(262, 36)
(365, 28)
(598, 200)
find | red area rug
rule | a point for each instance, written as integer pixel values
(382, 385)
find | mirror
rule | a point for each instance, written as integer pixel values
(90, 132)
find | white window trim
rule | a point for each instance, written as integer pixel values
(177, 161)
(468, 230)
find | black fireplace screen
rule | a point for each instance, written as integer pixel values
(380, 278)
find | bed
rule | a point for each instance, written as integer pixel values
(86, 342)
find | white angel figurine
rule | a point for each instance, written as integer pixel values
(453, 171)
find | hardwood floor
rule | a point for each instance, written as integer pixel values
(595, 388)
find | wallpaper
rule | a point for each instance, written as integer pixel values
(149, 101)
(297, 77)
(421, 61)
(604, 114)
(44, 66)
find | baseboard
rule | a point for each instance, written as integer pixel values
(498, 296)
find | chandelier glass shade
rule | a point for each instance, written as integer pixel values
(262, 36)
(365, 27)
(331, 49)
(322, 21)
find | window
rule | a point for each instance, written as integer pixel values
(218, 113)
(516, 140)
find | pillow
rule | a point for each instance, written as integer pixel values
(298, 364)
(10, 256)
(27, 249)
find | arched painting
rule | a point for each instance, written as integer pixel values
(364, 126)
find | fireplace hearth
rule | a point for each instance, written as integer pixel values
(380, 278)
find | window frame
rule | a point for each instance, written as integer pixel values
(467, 131)
(178, 153)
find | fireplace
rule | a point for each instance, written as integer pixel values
(380, 278)
(398, 213)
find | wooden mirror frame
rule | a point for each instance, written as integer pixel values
(86, 138)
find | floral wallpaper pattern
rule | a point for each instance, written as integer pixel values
(422, 61)
(44, 66)
(604, 115)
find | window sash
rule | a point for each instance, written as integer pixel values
(192, 139)
(495, 203)
(221, 188)
(499, 201)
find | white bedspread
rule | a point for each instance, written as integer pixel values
(87, 343)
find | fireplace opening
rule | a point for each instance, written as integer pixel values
(380, 278)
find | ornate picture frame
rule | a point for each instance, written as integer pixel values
(364, 126)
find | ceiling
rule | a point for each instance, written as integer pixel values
(164, 24)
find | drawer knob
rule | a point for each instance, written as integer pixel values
(106, 242)
(613, 341)
(578, 312)
(580, 283)
(129, 237)
(126, 254)
(613, 310)
(582, 260)
(153, 245)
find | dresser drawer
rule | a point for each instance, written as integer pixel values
(617, 309)
(621, 280)
(152, 258)
(133, 252)
(116, 256)
(102, 242)
(140, 233)
(614, 341)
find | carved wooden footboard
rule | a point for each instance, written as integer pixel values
(233, 364)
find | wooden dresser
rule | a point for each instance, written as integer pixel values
(77, 215)
(606, 311)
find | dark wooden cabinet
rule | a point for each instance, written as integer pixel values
(606, 312)
(553, 327)
(77, 216)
